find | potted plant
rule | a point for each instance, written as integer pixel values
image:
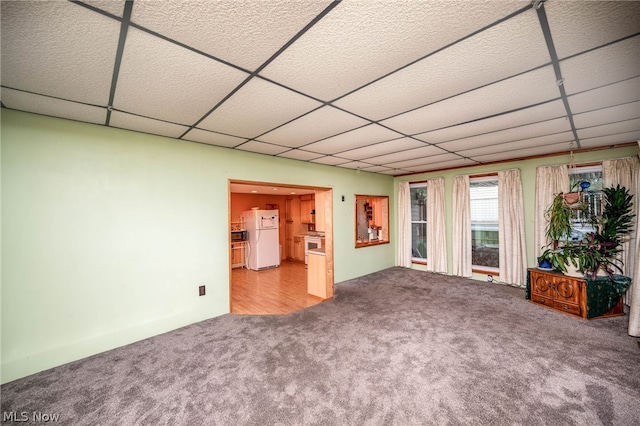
(599, 250)
(559, 228)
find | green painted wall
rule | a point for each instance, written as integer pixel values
(528, 176)
(107, 234)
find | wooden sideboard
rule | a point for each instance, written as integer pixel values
(567, 294)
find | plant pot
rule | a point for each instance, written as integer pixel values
(572, 199)
(572, 271)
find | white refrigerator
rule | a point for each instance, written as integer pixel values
(263, 251)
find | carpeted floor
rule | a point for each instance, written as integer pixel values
(398, 347)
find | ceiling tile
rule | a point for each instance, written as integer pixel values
(538, 113)
(521, 153)
(577, 26)
(245, 33)
(607, 140)
(212, 138)
(114, 7)
(162, 80)
(330, 160)
(23, 101)
(469, 64)
(607, 115)
(262, 148)
(440, 165)
(610, 64)
(610, 129)
(564, 139)
(424, 161)
(382, 148)
(256, 108)
(605, 96)
(514, 93)
(329, 61)
(58, 49)
(305, 129)
(146, 125)
(558, 125)
(299, 154)
(362, 136)
(420, 152)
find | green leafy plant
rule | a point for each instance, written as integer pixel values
(600, 249)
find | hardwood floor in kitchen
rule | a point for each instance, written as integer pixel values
(279, 290)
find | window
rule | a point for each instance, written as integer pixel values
(588, 181)
(418, 193)
(483, 194)
(372, 220)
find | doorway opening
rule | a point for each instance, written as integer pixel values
(302, 212)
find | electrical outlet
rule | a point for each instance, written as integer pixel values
(489, 278)
(201, 291)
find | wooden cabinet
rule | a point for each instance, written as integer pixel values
(316, 276)
(298, 249)
(307, 208)
(565, 294)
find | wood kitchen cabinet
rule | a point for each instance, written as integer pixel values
(307, 208)
(563, 293)
(298, 249)
(238, 252)
(316, 275)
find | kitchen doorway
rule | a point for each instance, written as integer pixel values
(281, 289)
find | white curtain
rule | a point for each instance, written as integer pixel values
(513, 246)
(626, 172)
(634, 302)
(461, 227)
(436, 236)
(404, 225)
(550, 180)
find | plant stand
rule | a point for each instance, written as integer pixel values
(580, 297)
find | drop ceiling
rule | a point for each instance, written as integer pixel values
(391, 87)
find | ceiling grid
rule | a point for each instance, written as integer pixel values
(387, 87)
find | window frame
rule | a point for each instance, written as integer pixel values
(488, 177)
(419, 260)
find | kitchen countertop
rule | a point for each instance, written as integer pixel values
(318, 251)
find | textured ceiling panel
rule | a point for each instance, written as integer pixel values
(608, 140)
(609, 64)
(298, 154)
(146, 125)
(558, 125)
(471, 63)
(211, 138)
(517, 92)
(256, 108)
(422, 161)
(577, 26)
(357, 138)
(44, 105)
(245, 34)
(58, 49)
(547, 111)
(161, 80)
(369, 85)
(263, 148)
(610, 129)
(541, 142)
(307, 129)
(358, 42)
(114, 7)
(409, 154)
(382, 148)
(606, 96)
(522, 153)
(608, 115)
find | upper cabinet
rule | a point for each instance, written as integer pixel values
(307, 208)
(372, 220)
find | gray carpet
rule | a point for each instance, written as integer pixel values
(398, 347)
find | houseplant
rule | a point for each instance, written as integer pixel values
(560, 215)
(599, 250)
